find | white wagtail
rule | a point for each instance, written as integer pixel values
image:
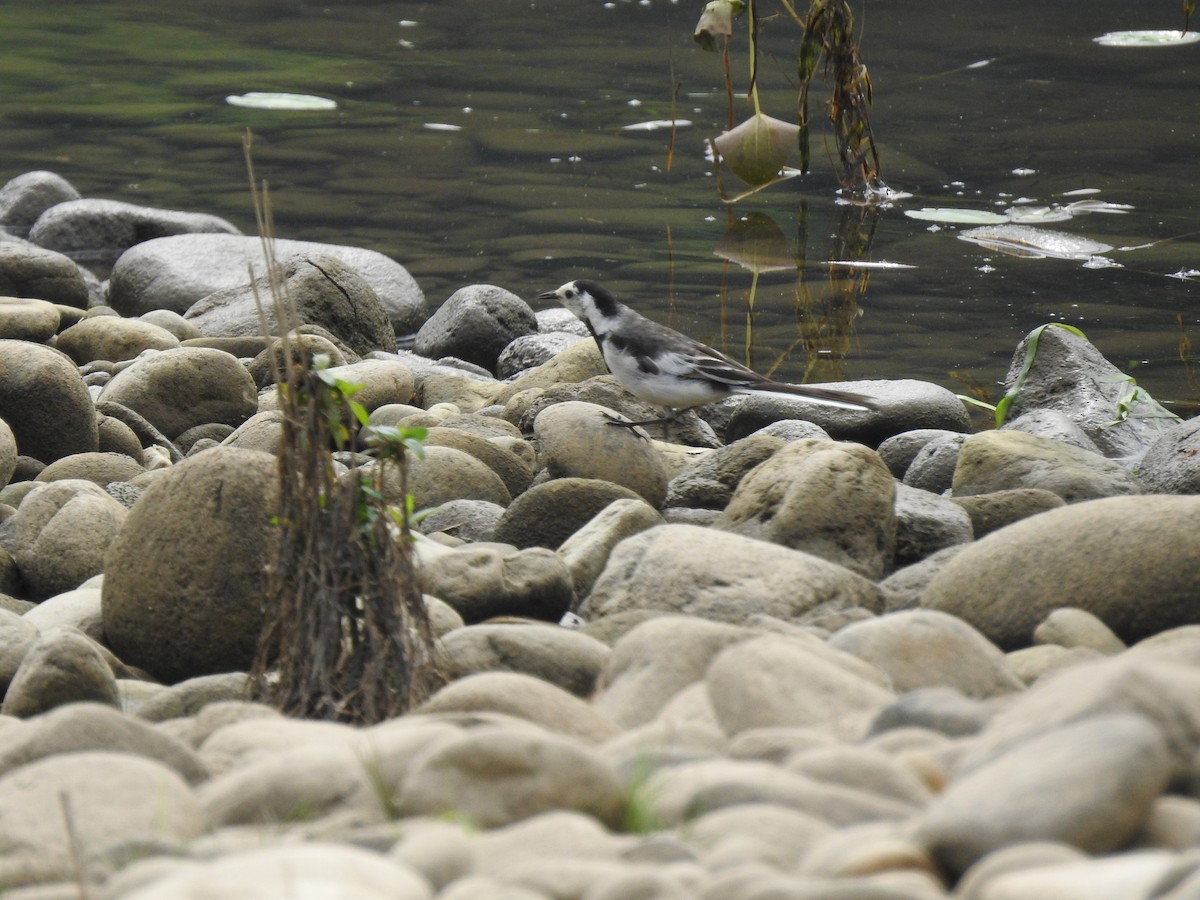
(669, 369)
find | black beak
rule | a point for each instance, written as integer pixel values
(548, 295)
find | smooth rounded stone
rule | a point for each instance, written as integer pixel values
(30, 271)
(61, 532)
(531, 350)
(383, 381)
(8, 453)
(784, 680)
(549, 513)
(555, 834)
(1050, 423)
(578, 440)
(482, 582)
(1119, 877)
(45, 402)
(61, 666)
(777, 743)
(974, 884)
(306, 869)
(497, 776)
(101, 468)
(27, 196)
(905, 404)
(563, 657)
(709, 481)
(16, 637)
(577, 363)
(27, 319)
(171, 321)
(466, 392)
(478, 887)
(722, 576)
(587, 550)
(899, 450)
(656, 660)
(1031, 664)
(211, 431)
(1173, 824)
(321, 290)
(1103, 771)
(863, 768)
(941, 709)
(251, 746)
(476, 323)
(868, 849)
(1071, 627)
(263, 432)
(444, 474)
(1169, 465)
(185, 577)
(175, 272)
(439, 851)
(176, 390)
(1130, 561)
(680, 793)
(113, 339)
(832, 500)
(524, 697)
(77, 727)
(991, 512)
(781, 834)
(514, 468)
(932, 468)
(789, 430)
(999, 460)
(114, 436)
(79, 608)
(471, 520)
(926, 648)
(148, 435)
(109, 227)
(643, 882)
(118, 804)
(1071, 376)
(927, 523)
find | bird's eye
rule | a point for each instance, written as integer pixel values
(570, 294)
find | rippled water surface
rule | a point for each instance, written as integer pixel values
(486, 141)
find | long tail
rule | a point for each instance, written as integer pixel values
(820, 396)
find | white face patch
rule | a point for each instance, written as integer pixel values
(569, 297)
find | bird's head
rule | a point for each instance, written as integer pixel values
(588, 300)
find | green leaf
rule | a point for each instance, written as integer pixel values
(360, 411)
(1030, 354)
(757, 149)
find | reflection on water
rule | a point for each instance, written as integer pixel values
(488, 141)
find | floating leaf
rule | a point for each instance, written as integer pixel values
(1034, 243)
(717, 22)
(756, 243)
(657, 125)
(1165, 37)
(279, 101)
(1038, 214)
(756, 150)
(955, 216)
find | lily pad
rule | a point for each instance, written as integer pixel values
(281, 101)
(950, 216)
(757, 149)
(1163, 37)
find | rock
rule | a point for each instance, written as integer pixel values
(578, 440)
(118, 805)
(382, 381)
(722, 576)
(777, 832)
(709, 481)
(905, 405)
(445, 474)
(991, 512)
(1104, 773)
(321, 291)
(184, 579)
(470, 520)
(999, 460)
(587, 550)
(832, 500)
(476, 323)
(1070, 627)
(923, 648)
(179, 389)
(191, 696)
(16, 637)
(466, 392)
(1170, 465)
(1069, 375)
(61, 533)
(1052, 424)
(262, 432)
(789, 430)
(578, 362)
(781, 680)
(114, 436)
(8, 453)
(1118, 877)
(79, 608)
(933, 467)
(656, 660)
(28, 319)
(44, 402)
(900, 450)
(30, 271)
(60, 667)
(530, 350)
(107, 228)
(27, 196)
(113, 339)
(927, 523)
(523, 697)
(483, 582)
(146, 434)
(1130, 561)
(501, 775)
(99, 468)
(265, 873)
(511, 460)
(171, 321)
(560, 656)
(175, 272)
(78, 727)
(549, 513)
(1031, 664)
(940, 709)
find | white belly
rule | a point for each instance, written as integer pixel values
(662, 389)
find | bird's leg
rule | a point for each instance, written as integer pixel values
(664, 421)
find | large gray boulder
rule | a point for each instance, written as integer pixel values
(476, 323)
(45, 402)
(30, 271)
(106, 228)
(27, 196)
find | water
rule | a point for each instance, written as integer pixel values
(528, 180)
